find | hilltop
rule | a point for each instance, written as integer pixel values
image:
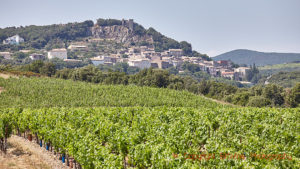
(249, 57)
(106, 36)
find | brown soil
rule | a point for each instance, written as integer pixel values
(23, 154)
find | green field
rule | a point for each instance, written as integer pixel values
(280, 66)
(142, 127)
(272, 69)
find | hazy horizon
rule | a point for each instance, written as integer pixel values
(212, 27)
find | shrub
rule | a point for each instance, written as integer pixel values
(258, 101)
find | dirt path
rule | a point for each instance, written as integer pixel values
(222, 102)
(23, 154)
(6, 76)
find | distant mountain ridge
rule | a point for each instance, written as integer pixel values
(245, 56)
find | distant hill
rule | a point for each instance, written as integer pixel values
(244, 56)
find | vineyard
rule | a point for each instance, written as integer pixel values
(48, 92)
(143, 127)
(148, 137)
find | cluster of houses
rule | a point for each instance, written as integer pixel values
(146, 57)
(142, 57)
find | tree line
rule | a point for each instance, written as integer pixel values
(38, 37)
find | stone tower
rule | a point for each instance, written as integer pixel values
(130, 24)
(123, 22)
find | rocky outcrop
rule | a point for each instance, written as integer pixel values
(120, 34)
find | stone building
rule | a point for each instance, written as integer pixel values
(58, 53)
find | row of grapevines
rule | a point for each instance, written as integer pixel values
(5, 129)
(149, 137)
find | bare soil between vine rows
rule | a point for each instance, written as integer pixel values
(23, 154)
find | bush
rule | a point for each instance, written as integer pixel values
(293, 96)
(273, 92)
(258, 101)
(108, 22)
(241, 98)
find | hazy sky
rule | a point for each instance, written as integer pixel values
(212, 26)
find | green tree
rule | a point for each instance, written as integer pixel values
(241, 98)
(258, 101)
(20, 55)
(48, 69)
(186, 48)
(64, 73)
(293, 96)
(35, 66)
(190, 67)
(274, 93)
(253, 74)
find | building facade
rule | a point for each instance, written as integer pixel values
(140, 63)
(175, 52)
(100, 60)
(58, 53)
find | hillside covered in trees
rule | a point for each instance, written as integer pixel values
(249, 57)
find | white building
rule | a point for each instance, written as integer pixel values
(228, 75)
(140, 63)
(14, 40)
(77, 47)
(58, 53)
(99, 60)
(72, 60)
(242, 71)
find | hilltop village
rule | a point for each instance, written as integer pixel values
(132, 51)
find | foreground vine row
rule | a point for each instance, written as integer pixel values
(149, 137)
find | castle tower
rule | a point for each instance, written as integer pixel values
(123, 22)
(130, 24)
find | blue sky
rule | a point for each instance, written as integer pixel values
(212, 26)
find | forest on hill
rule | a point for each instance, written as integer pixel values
(249, 57)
